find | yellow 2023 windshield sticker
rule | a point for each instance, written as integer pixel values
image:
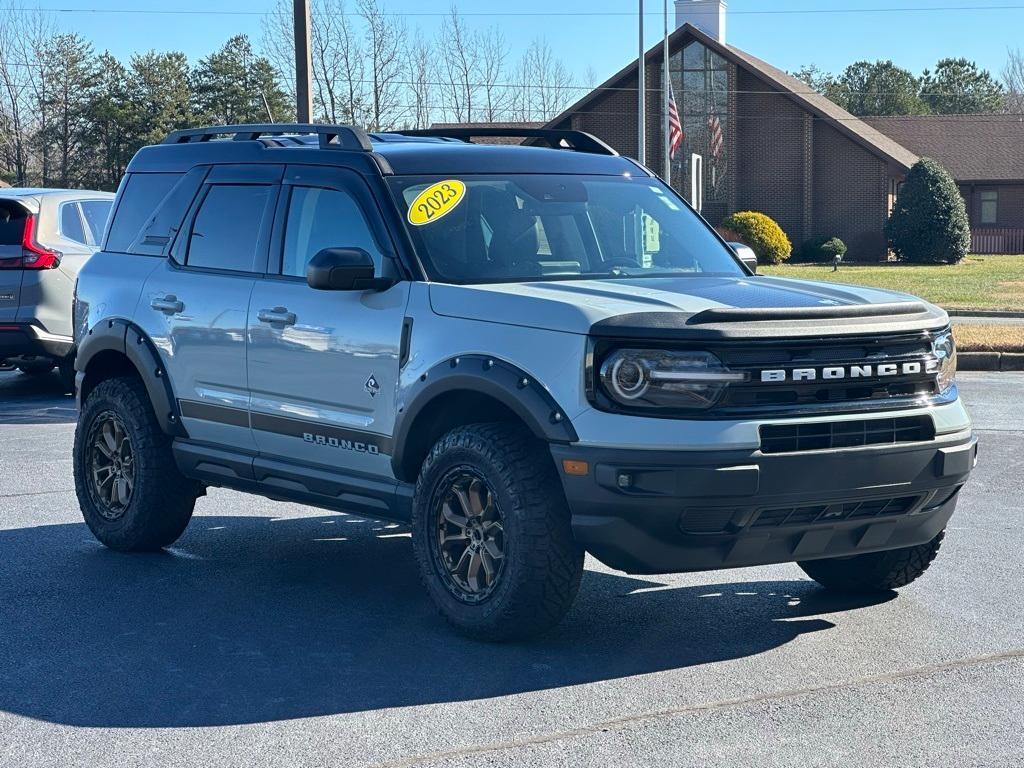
(436, 201)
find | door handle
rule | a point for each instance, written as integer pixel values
(169, 304)
(277, 315)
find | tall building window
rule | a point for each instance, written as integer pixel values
(989, 206)
(700, 79)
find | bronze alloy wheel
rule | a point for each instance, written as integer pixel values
(469, 542)
(111, 465)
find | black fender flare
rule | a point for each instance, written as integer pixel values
(506, 383)
(128, 339)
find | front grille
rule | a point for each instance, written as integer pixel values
(822, 513)
(790, 438)
(757, 396)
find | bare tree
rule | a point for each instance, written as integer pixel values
(385, 39)
(338, 66)
(23, 91)
(492, 53)
(458, 56)
(1013, 79)
(420, 71)
(543, 84)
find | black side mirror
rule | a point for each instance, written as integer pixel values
(746, 254)
(344, 269)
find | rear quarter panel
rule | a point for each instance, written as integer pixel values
(109, 287)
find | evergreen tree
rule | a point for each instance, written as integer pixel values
(158, 84)
(113, 120)
(879, 88)
(233, 85)
(929, 222)
(71, 80)
(957, 86)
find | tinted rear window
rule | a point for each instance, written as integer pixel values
(227, 228)
(12, 223)
(143, 192)
(71, 223)
(96, 213)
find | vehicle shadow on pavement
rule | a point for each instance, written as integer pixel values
(35, 400)
(255, 619)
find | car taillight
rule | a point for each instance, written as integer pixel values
(33, 255)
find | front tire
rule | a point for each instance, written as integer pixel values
(875, 571)
(133, 497)
(491, 534)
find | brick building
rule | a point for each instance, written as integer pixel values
(790, 152)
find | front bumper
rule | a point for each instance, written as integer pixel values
(26, 340)
(674, 511)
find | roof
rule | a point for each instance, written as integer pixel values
(798, 91)
(493, 139)
(402, 155)
(970, 147)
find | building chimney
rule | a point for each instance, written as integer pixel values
(706, 15)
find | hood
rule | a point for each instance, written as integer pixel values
(689, 307)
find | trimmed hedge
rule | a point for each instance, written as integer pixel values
(929, 224)
(762, 234)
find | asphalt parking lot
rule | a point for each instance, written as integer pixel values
(273, 634)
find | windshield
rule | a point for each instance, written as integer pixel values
(483, 229)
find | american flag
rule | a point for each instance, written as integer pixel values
(716, 142)
(675, 128)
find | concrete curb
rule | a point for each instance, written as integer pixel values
(983, 313)
(990, 361)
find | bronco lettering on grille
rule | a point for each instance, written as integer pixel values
(836, 372)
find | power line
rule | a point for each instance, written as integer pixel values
(524, 14)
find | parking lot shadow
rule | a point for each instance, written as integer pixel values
(254, 619)
(34, 399)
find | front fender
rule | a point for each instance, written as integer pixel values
(498, 379)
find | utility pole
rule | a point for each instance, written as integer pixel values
(303, 63)
(642, 88)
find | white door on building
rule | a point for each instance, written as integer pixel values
(697, 182)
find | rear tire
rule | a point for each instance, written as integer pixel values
(133, 497)
(492, 536)
(876, 571)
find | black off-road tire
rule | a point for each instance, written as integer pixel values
(38, 367)
(876, 571)
(542, 564)
(162, 499)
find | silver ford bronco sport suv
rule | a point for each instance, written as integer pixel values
(525, 352)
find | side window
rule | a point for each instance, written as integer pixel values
(141, 195)
(227, 227)
(989, 206)
(96, 213)
(71, 223)
(323, 218)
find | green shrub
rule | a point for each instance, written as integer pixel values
(821, 249)
(762, 234)
(929, 222)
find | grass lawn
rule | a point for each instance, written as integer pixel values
(978, 282)
(989, 338)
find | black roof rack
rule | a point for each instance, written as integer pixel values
(574, 140)
(331, 136)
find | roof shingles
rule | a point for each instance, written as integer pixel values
(970, 147)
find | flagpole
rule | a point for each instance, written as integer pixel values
(642, 89)
(665, 81)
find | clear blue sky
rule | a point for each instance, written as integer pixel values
(913, 39)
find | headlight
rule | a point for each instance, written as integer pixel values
(944, 348)
(658, 378)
